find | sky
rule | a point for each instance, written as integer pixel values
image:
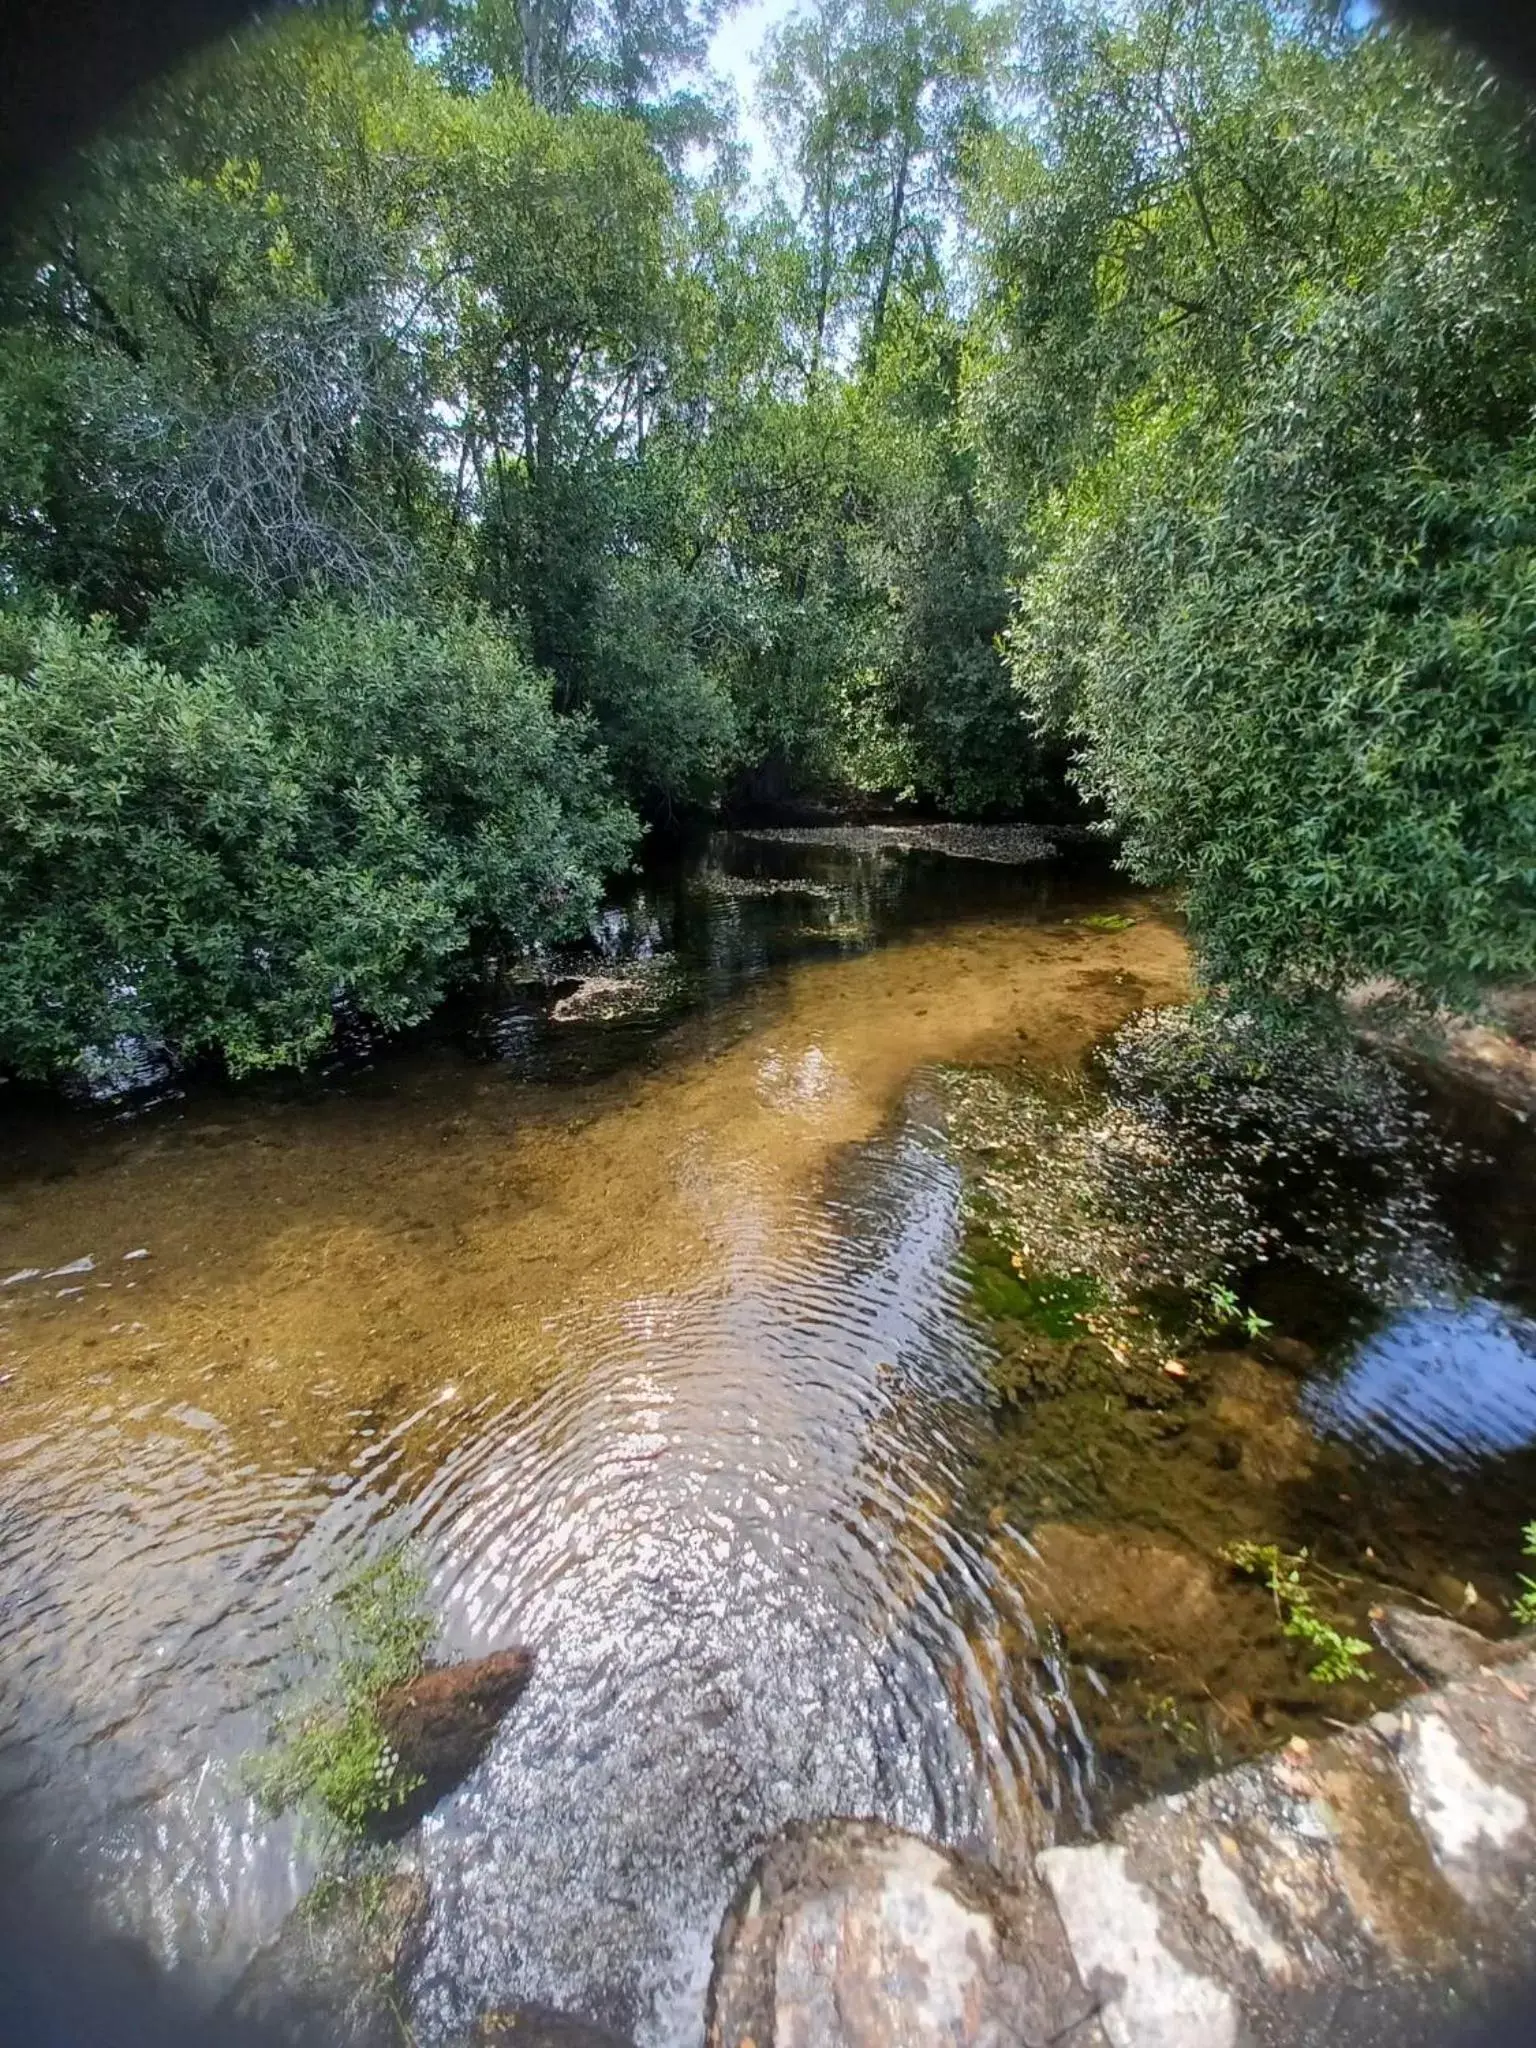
(733, 53)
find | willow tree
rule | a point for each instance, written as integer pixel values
(1258, 392)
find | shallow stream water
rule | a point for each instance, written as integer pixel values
(640, 1302)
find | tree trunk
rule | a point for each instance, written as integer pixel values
(893, 236)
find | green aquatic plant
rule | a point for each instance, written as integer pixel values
(1339, 1657)
(332, 1757)
(367, 1888)
(1203, 1145)
(1052, 1304)
(1163, 1712)
(1524, 1608)
(1106, 921)
(1227, 1309)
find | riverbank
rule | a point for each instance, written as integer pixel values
(1494, 1051)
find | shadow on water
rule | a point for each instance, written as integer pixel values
(64, 1986)
(642, 1300)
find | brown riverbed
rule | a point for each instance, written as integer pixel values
(354, 1255)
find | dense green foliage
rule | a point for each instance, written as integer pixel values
(217, 855)
(1272, 443)
(421, 448)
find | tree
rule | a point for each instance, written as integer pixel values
(873, 102)
(1273, 574)
(219, 312)
(935, 564)
(1149, 382)
(645, 59)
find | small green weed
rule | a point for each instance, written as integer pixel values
(1226, 1309)
(343, 1764)
(333, 1757)
(1339, 1657)
(389, 1627)
(1163, 1712)
(1524, 1608)
(367, 1886)
(1106, 921)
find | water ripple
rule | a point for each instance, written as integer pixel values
(727, 1526)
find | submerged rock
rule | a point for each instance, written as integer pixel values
(1437, 1648)
(1110, 1589)
(540, 2026)
(1256, 1409)
(334, 1975)
(849, 1934)
(441, 1722)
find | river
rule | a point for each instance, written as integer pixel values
(638, 1303)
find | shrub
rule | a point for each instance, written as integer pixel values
(214, 860)
(1293, 647)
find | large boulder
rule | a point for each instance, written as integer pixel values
(849, 1934)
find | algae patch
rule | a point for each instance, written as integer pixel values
(1127, 1231)
(1203, 1146)
(1050, 1304)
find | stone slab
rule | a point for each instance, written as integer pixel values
(1370, 1891)
(1357, 1873)
(853, 1935)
